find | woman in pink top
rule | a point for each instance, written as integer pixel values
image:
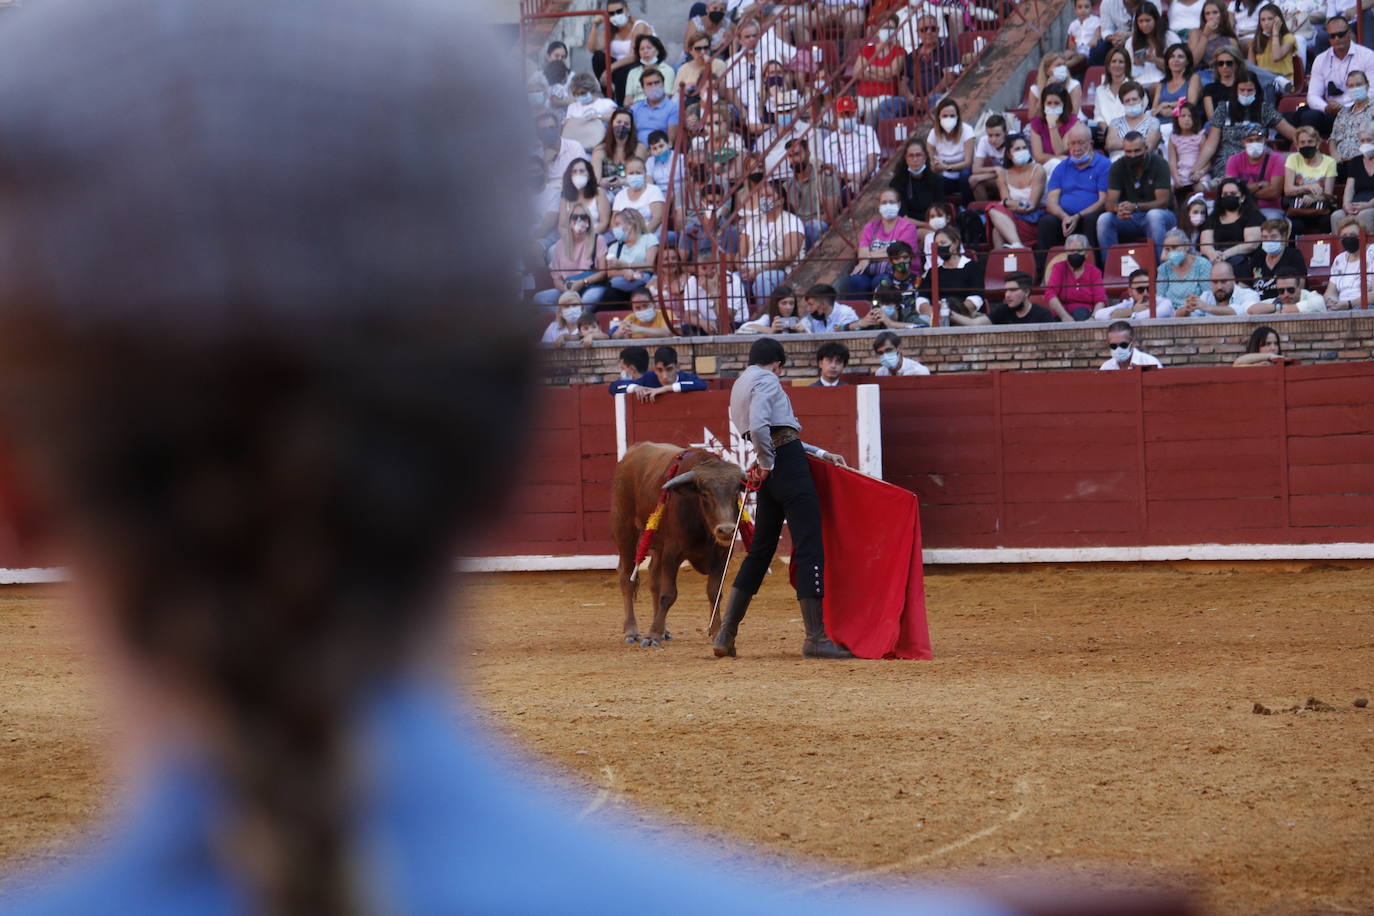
(1075, 290)
(877, 235)
(1048, 129)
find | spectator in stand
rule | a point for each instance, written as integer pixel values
(1309, 182)
(618, 147)
(1327, 80)
(1140, 198)
(1107, 106)
(701, 64)
(832, 358)
(665, 378)
(711, 30)
(745, 73)
(1215, 33)
(1085, 31)
(770, 243)
(850, 147)
(664, 165)
(1260, 168)
(1359, 185)
(1224, 298)
(563, 331)
(931, 57)
(646, 319)
(821, 314)
(775, 107)
(624, 30)
(631, 257)
(1137, 119)
(1263, 348)
(1016, 306)
(1291, 296)
(588, 112)
(841, 18)
(1178, 83)
(812, 192)
(547, 197)
(1274, 48)
(1242, 120)
(716, 150)
(1193, 217)
(589, 330)
(1021, 188)
(893, 307)
(878, 72)
(1053, 71)
(711, 288)
(891, 361)
(1121, 345)
(634, 362)
(1136, 305)
(959, 274)
(784, 107)
(1227, 64)
(580, 189)
(557, 151)
(1077, 192)
(951, 143)
(642, 195)
(1355, 117)
(1275, 255)
(1147, 45)
(1074, 290)
(989, 152)
(577, 261)
(705, 228)
(656, 110)
(939, 216)
(1182, 272)
(550, 84)
(1245, 18)
(1185, 17)
(652, 56)
(1118, 18)
(918, 184)
(877, 235)
(1348, 285)
(780, 316)
(1189, 152)
(1232, 233)
(670, 284)
(1049, 131)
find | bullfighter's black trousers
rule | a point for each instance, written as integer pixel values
(788, 494)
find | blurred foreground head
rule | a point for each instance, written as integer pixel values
(257, 341)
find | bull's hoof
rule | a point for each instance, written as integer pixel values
(650, 642)
(667, 636)
(632, 639)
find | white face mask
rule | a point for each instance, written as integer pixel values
(888, 210)
(891, 360)
(1052, 114)
(949, 123)
(884, 34)
(1060, 73)
(1197, 219)
(1123, 356)
(1246, 100)
(579, 181)
(619, 20)
(1134, 111)
(1367, 149)
(938, 222)
(584, 98)
(1020, 156)
(646, 314)
(1254, 150)
(571, 313)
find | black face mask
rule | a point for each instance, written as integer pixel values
(1350, 243)
(756, 177)
(1307, 151)
(1076, 259)
(1135, 162)
(716, 16)
(943, 251)
(1230, 202)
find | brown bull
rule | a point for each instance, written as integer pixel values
(698, 524)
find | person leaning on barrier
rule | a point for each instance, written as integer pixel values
(960, 275)
(1136, 305)
(1347, 286)
(891, 361)
(1224, 298)
(663, 379)
(1124, 355)
(1262, 349)
(634, 362)
(1291, 295)
(832, 358)
(821, 314)
(1016, 306)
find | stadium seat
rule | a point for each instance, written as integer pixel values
(969, 42)
(825, 51)
(1053, 257)
(1091, 80)
(1318, 251)
(1003, 261)
(893, 132)
(1291, 102)
(605, 318)
(1299, 75)
(1117, 270)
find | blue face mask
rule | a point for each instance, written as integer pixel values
(655, 93)
(1246, 100)
(890, 311)
(1177, 256)
(619, 233)
(785, 119)
(891, 360)
(584, 98)
(1271, 247)
(663, 156)
(1086, 157)
(635, 181)
(847, 125)
(1357, 93)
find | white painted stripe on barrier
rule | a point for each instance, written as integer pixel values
(32, 576)
(870, 430)
(622, 442)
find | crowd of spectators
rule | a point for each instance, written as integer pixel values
(1187, 136)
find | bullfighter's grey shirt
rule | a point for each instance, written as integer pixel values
(758, 403)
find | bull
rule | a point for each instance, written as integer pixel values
(698, 525)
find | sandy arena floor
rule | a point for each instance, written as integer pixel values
(1084, 718)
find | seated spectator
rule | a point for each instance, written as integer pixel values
(780, 316)
(645, 319)
(1140, 197)
(670, 286)
(1244, 19)
(888, 229)
(1137, 302)
(832, 358)
(708, 36)
(989, 152)
(1076, 193)
(812, 192)
(711, 287)
(951, 142)
(1075, 291)
(878, 72)
(704, 237)
(918, 184)
(1053, 71)
(634, 362)
(549, 85)
(665, 378)
(747, 70)
(630, 259)
(563, 329)
(851, 147)
(960, 277)
(1107, 105)
(1193, 218)
(1180, 83)
(1325, 97)
(1137, 118)
(653, 57)
(931, 58)
(557, 151)
(1274, 256)
(821, 314)
(770, 243)
(588, 113)
(580, 188)
(1354, 118)
(642, 195)
(616, 149)
(1085, 31)
(891, 361)
(1182, 272)
(939, 216)
(1234, 119)
(892, 307)
(623, 56)
(1358, 200)
(1309, 183)
(656, 110)
(1274, 48)
(1016, 306)
(1213, 34)
(1189, 153)
(1224, 298)
(1148, 45)
(776, 139)
(1346, 287)
(715, 150)
(1260, 168)
(1121, 345)
(1291, 296)
(1232, 232)
(588, 330)
(701, 62)
(577, 262)
(1263, 348)
(1049, 130)
(1021, 196)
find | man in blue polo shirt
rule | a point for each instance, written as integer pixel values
(1076, 194)
(655, 111)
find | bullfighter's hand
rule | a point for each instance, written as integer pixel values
(836, 459)
(757, 476)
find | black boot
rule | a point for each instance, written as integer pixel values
(817, 644)
(735, 607)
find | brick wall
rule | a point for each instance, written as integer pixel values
(1176, 342)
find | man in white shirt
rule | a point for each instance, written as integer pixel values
(891, 360)
(1118, 18)
(1224, 298)
(1290, 296)
(822, 314)
(851, 147)
(1121, 343)
(770, 242)
(1136, 305)
(1326, 83)
(558, 151)
(744, 71)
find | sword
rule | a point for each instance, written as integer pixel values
(715, 606)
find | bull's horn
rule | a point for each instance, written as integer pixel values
(680, 479)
